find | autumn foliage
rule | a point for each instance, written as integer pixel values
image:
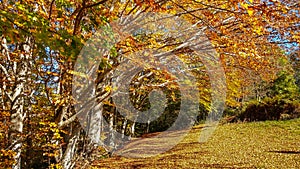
(41, 40)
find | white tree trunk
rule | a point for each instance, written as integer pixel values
(132, 128)
(148, 126)
(111, 131)
(96, 124)
(69, 155)
(124, 128)
(18, 74)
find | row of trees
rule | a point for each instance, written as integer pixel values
(40, 43)
(278, 99)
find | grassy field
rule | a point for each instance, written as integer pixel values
(271, 144)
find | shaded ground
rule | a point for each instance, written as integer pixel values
(250, 145)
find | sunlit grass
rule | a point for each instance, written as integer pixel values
(271, 144)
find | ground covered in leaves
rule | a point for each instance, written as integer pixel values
(271, 144)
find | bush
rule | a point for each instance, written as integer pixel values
(282, 101)
(271, 109)
(230, 115)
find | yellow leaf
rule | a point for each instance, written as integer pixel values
(42, 123)
(77, 73)
(60, 19)
(250, 11)
(258, 30)
(244, 5)
(108, 88)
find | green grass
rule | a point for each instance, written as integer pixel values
(271, 144)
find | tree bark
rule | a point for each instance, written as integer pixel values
(17, 91)
(124, 128)
(70, 153)
(111, 131)
(95, 124)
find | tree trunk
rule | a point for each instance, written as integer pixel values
(111, 131)
(70, 153)
(148, 127)
(133, 127)
(17, 72)
(95, 124)
(124, 128)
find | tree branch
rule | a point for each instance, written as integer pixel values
(81, 11)
(51, 6)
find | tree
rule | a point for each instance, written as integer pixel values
(295, 61)
(41, 41)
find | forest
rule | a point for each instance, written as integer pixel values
(81, 81)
